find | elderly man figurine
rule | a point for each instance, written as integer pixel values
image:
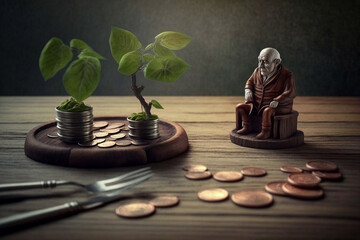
(270, 90)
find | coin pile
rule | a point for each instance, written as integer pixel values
(305, 185)
(107, 135)
(142, 208)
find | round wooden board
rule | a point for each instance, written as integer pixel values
(173, 141)
(249, 140)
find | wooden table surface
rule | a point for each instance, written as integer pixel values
(332, 132)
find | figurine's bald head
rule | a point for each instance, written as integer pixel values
(269, 60)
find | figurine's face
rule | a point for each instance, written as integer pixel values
(267, 63)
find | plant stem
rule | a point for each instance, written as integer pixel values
(137, 92)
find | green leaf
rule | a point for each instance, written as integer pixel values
(71, 105)
(141, 116)
(162, 51)
(173, 40)
(82, 77)
(121, 42)
(150, 46)
(86, 50)
(129, 63)
(165, 69)
(148, 57)
(156, 104)
(54, 57)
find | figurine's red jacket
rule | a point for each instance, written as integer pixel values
(281, 88)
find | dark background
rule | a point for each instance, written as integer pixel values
(318, 41)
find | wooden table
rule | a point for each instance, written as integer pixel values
(332, 132)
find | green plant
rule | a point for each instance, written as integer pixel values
(81, 77)
(157, 61)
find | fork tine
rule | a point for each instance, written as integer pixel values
(128, 184)
(130, 174)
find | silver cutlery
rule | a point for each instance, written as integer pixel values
(74, 206)
(96, 187)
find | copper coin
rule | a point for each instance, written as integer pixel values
(302, 192)
(101, 134)
(165, 201)
(275, 187)
(323, 166)
(100, 124)
(252, 198)
(139, 142)
(253, 171)
(228, 176)
(111, 131)
(123, 143)
(115, 125)
(213, 195)
(304, 180)
(198, 175)
(118, 136)
(291, 169)
(99, 140)
(106, 144)
(125, 128)
(88, 144)
(53, 135)
(195, 168)
(328, 175)
(135, 210)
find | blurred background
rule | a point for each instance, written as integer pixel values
(318, 41)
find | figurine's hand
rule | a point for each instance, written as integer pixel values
(274, 104)
(248, 95)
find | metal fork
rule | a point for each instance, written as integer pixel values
(105, 185)
(69, 208)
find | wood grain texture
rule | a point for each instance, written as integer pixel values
(331, 133)
(38, 146)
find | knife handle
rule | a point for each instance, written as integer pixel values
(31, 185)
(39, 215)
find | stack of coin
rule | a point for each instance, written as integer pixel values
(143, 208)
(144, 129)
(305, 185)
(74, 127)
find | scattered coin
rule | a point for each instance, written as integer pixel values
(165, 201)
(125, 128)
(88, 144)
(139, 142)
(195, 168)
(100, 124)
(213, 195)
(53, 135)
(198, 175)
(275, 187)
(323, 166)
(328, 175)
(252, 198)
(302, 192)
(101, 134)
(115, 125)
(253, 171)
(99, 140)
(107, 144)
(291, 169)
(135, 210)
(111, 131)
(304, 180)
(118, 136)
(123, 143)
(228, 176)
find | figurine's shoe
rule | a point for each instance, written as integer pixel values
(265, 133)
(245, 129)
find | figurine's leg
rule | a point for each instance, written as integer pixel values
(266, 123)
(242, 114)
